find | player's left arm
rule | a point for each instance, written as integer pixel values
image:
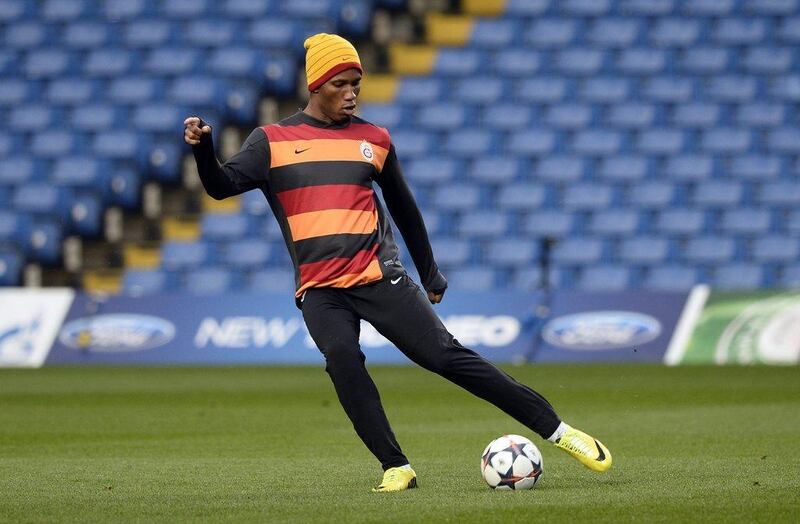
(403, 208)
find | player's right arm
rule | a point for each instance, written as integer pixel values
(244, 171)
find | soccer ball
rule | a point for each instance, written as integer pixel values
(511, 462)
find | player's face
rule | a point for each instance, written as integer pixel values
(338, 95)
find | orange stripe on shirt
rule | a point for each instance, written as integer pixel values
(325, 150)
(332, 222)
(371, 274)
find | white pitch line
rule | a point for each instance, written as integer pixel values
(683, 331)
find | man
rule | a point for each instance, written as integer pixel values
(316, 169)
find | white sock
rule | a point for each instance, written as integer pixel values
(560, 430)
(406, 467)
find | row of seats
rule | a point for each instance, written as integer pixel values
(686, 8)
(218, 279)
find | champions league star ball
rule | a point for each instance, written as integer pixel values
(511, 462)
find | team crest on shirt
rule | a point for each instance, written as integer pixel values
(366, 151)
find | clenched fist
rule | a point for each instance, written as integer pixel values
(195, 129)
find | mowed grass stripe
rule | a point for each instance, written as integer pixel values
(273, 445)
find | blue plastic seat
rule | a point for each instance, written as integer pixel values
(211, 33)
(11, 263)
(579, 61)
(412, 143)
(705, 60)
(597, 142)
(646, 7)
(550, 32)
(124, 187)
(531, 142)
(271, 281)
(245, 9)
(746, 221)
(669, 89)
(726, 140)
(86, 35)
(355, 17)
(472, 278)
(696, 115)
(110, 62)
(507, 117)
(740, 277)
(457, 197)
(789, 30)
(542, 90)
(184, 255)
(420, 90)
(158, 117)
(792, 223)
(569, 116)
(574, 251)
(123, 145)
(47, 63)
(209, 281)
(279, 73)
(26, 35)
(116, 10)
(470, 143)
(641, 61)
(671, 278)
(524, 8)
(514, 62)
(184, 9)
(496, 33)
(309, 8)
(776, 248)
(689, 167)
(442, 116)
(15, 227)
(384, 115)
(756, 167)
(10, 144)
(86, 215)
(482, 224)
(53, 144)
(614, 222)
(149, 33)
(145, 282)
(14, 92)
(614, 32)
(654, 195)
(708, 7)
(42, 198)
(197, 91)
(225, 226)
(681, 221)
(561, 168)
(272, 33)
(491, 90)
(709, 250)
(71, 91)
(31, 118)
(644, 250)
(729, 88)
(757, 114)
(605, 90)
(771, 7)
(521, 196)
(594, 8)
(549, 223)
(604, 278)
(96, 117)
(459, 62)
(790, 277)
(587, 196)
(675, 32)
(430, 171)
(80, 172)
(512, 252)
(624, 168)
(44, 243)
(494, 169)
(134, 90)
(771, 60)
(14, 10)
(172, 61)
(451, 251)
(780, 193)
(784, 140)
(740, 31)
(661, 141)
(248, 253)
(632, 115)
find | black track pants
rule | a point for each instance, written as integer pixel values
(402, 313)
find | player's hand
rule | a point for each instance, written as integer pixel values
(195, 129)
(434, 297)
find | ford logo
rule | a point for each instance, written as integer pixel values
(598, 330)
(116, 333)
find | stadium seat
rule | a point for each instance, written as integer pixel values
(661, 141)
(597, 142)
(271, 281)
(451, 251)
(624, 168)
(756, 167)
(71, 91)
(493, 169)
(170, 61)
(587, 196)
(620, 222)
(521, 196)
(42, 198)
(757, 115)
(696, 115)
(44, 242)
(94, 118)
(491, 90)
(632, 115)
(731, 89)
(641, 61)
(560, 169)
(689, 167)
(790, 277)
(225, 226)
(739, 277)
(470, 143)
(184, 255)
(776, 249)
(680, 221)
(550, 32)
(576, 251)
(604, 278)
(709, 250)
(726, 140)
(652, 195)
(455, 62)
(442, 116)
(482, 224)
(614, 32)
(457, 197)
(708, 7)
(384, 115)
(785, 140)
(569, 116)
(579, 61)
(210, 281)
(472, 278)
(746, 221)
(212, 34)
(11, 263)
(548, 223)
(512, 252)
(671, 278)
(26, 35)
(771, 60)
(605, 90)
(494, 33)
(86, 35)
(780, 193)
(542, 90)
(15, 171)
(133, 89)
(531, 142)
(644, 250)
(86, 215)
(413, 90)
(15, 227)
(515, 62)
(670, 89)
(110, 63)
(507, 117)
(80, 172)
(676, 32)
(149, 33)
(124, 185)
(158, 117)
(718, 194)
(739, 31)
(705, 60)
(144, 282)
(431, 171)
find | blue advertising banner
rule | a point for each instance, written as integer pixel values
(631, 326)
(243, 329)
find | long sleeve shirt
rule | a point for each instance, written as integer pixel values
(318, 179)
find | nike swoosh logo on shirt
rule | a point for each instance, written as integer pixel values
(396, 280)
(298, 151)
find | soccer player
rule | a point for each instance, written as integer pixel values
(316, 169)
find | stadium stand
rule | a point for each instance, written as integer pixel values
(657, 142)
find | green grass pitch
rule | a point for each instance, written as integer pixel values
(273, 445)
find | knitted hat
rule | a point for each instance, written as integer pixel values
(327, 56)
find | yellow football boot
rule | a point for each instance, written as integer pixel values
(397, 479)
(587, 449)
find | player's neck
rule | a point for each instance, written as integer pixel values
(316, 113)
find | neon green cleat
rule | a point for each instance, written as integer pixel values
(587, 449)
(397, 479)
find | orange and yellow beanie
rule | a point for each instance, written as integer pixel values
(327, 56)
